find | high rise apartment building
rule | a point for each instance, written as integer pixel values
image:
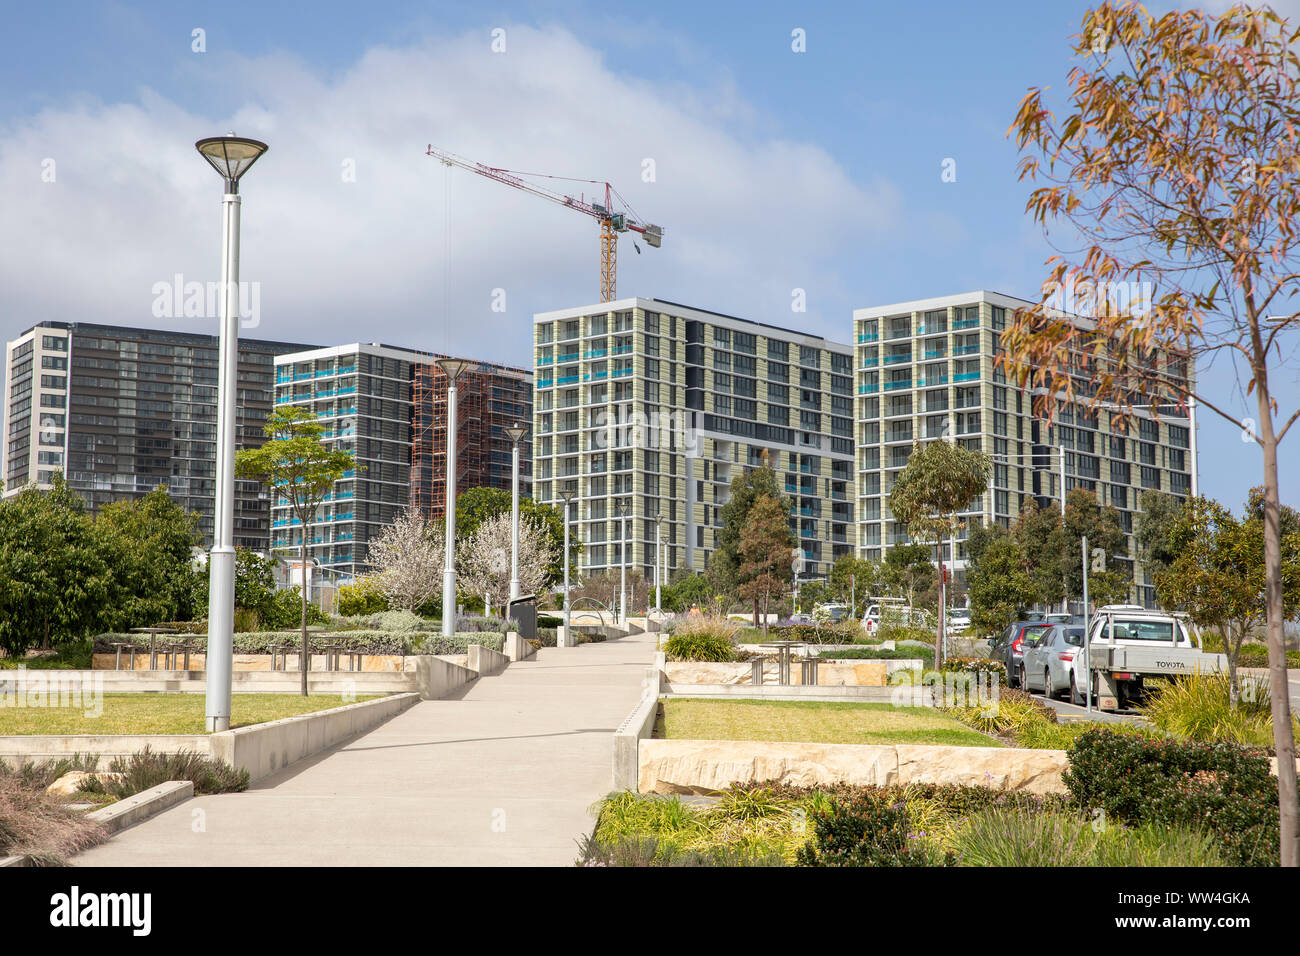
(647, 409)
(123, 410)
(925, 370)
(387, 405)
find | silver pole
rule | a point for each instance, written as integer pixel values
(449, 558)
(622, 572)
(658, 571)
(1065, 598)
(1087, 621)
(514, 525)
(568, 633)
(1196, 465)
(221, 559)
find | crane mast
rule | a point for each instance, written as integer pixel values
(611, 222)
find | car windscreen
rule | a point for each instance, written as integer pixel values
(1131, 630)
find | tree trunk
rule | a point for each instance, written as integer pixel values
(940, 651)
(1283, 741)
(306, 651)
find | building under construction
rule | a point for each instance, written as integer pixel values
(489, 398)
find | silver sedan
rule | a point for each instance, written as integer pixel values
(1049, 662)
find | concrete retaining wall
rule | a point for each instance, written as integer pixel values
(486, 662)
(262, 749)
(708, 766)
(518, 649)
(143, 805)
(628, 738)
(830, 673)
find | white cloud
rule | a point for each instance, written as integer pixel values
(747, 214)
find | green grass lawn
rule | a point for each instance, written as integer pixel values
(161, 713)
(831, 722)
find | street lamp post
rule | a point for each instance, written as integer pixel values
(659, 574)
(451, 368)
(568, 497)
(516, 435)
(622, 565)
(231, 156)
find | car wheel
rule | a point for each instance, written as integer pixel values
(1047, 685)
(1075, 697)
(1022, 679)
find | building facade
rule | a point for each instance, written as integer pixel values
(123, 410)
(387, 406)
(925, 370)
(647, 409)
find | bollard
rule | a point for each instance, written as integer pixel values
(756, 666)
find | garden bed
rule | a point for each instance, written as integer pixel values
(167, 713)
(811, 722)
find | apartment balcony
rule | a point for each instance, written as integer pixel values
(868, 389)
(595, 353)
(567, 357)
(868, 337)
(870, 361)
(966, 377)
(965, 324)
(894, 386)
(896, 359)
(935, 354)
(545, 360)
(966, 350)
(567, 379)
(545, 382)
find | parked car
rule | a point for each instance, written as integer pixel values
(1130, 644)
(1048, 662)
(1009, 646)
(830, 613)
(959, 620)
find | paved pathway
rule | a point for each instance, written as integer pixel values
(502, 775)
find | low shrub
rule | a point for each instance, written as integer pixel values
(458, 643)
(1223, 787)
(549, 620)
(699, 638)
(868, 829)
(37, 826)
(146, 769)
(1013, 711)
(859, 652)
(699, 647)
(1197, 708)
(1021, 838)
(74, 655)
(976, 665)
(893, 631)
(841, 632)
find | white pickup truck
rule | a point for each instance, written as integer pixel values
(1125, 645)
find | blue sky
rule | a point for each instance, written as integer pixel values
(775, 170)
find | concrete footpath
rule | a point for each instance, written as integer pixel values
(501, 775)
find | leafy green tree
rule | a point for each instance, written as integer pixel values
(364, 596)
(55, 584)
(1218, 573)
(746, 488)
(254, 585)
(1110, 581)
(854, 578)
(479, 505)
(150, 545)
(765, 546)
(1041, 536)
(940, 480)
(1000, 585)
(1153, 529)
(301, 469)
(687, 589)
(908, 571)
(980, 537)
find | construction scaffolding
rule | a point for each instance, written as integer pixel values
(488, 398)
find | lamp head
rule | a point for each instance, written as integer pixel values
(516, 432)
(231, 156)
(452, 368)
